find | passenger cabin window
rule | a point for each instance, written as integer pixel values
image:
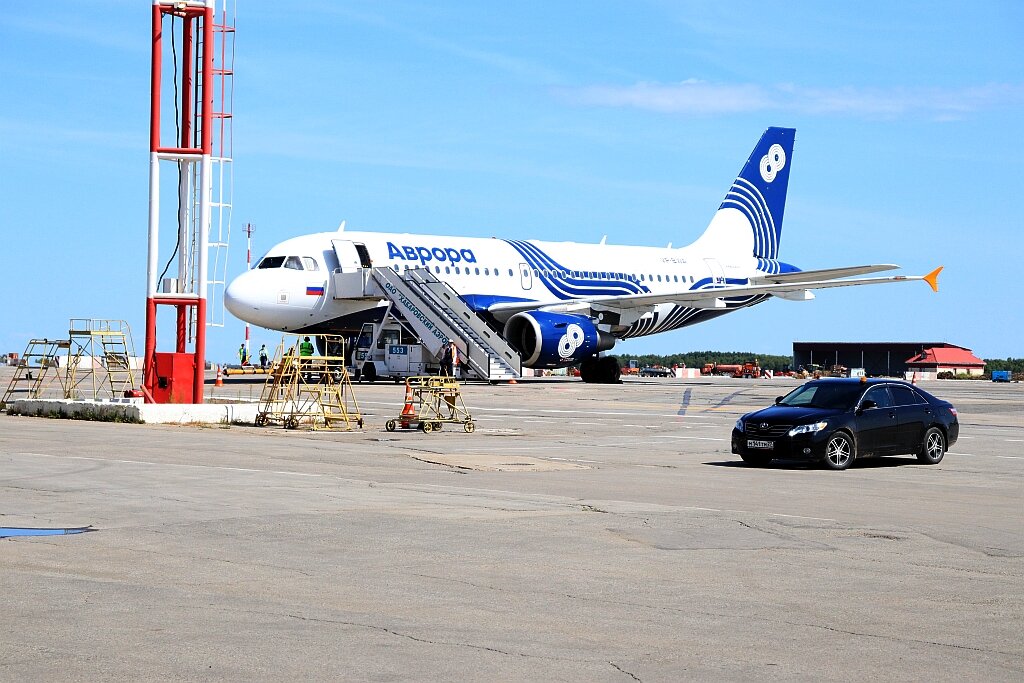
(905, 396)
(293, 262)
(310, 263)
(271, 262)
(880, 395)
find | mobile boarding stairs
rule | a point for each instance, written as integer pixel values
(436, 313)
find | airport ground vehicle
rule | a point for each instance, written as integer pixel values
(655, 372)
(387, 350)
(1001, 375)
(747, 369)
(836, 421)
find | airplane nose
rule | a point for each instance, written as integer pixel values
(242, 298)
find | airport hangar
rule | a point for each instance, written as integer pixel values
(888, 359)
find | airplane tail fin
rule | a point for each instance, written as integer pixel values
(750, 217)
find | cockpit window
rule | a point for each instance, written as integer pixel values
(271, 262)
(293, 262)
(310, 263)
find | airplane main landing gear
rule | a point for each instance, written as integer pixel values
(600, 370)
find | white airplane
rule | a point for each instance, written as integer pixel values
(559, 303)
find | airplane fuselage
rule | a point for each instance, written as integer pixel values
(484, 271)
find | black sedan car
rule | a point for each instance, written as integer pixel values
(836, 421)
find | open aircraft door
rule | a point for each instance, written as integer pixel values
(348, 256)
(351, 276)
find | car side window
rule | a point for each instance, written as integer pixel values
(880, 395)
(904, 396)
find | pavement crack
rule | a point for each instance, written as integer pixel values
(898, 639)
(427, 641)
(619, 668)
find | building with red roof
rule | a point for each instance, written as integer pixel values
(955, 359)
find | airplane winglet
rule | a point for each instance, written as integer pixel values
(932, 278)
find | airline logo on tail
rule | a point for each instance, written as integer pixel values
(773, 162)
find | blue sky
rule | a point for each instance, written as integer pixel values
(561, 121)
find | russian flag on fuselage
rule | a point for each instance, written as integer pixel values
(314, 291)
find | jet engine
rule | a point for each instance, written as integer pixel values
(555, 340)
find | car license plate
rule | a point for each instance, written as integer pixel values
(760, 444)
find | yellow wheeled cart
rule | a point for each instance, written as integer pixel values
(429, 403)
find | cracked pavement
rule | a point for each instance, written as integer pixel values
(644, 552)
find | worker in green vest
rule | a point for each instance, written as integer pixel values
(306, 347)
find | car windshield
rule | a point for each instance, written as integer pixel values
(839, 395)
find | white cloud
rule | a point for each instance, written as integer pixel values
(703, 98)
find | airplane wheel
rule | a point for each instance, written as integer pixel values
(610, 371)
(588, 366)
(389, 425)
(469, 427)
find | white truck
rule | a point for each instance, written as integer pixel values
(388, 350)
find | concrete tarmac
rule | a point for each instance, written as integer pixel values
(583, 533)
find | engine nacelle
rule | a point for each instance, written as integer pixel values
(554, 340)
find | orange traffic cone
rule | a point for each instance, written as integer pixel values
(220, 377)
(408, 412)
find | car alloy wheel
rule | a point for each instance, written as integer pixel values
(839, 451)
(933, 447)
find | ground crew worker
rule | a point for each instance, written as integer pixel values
(449, 359)
(306, 347)
(243, 354)
(263, 356)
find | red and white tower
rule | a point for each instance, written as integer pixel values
(182, 107)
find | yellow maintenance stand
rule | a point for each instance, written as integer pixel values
(97, 361)
(307, 388)
(429, 403)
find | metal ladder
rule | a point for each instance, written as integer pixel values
(30, 375)
(437, 312)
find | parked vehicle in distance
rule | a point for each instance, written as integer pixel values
(836, 421)
(655, 372)
(1001, 375)
(748, 369)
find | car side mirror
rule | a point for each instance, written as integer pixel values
(778, 400)
(865, 405)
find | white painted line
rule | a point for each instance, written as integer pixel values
(1016, 440)
(1009, 457)
(691, 438)
(819, 519)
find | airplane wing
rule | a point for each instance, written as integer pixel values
(825, 274)
(791, 288)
